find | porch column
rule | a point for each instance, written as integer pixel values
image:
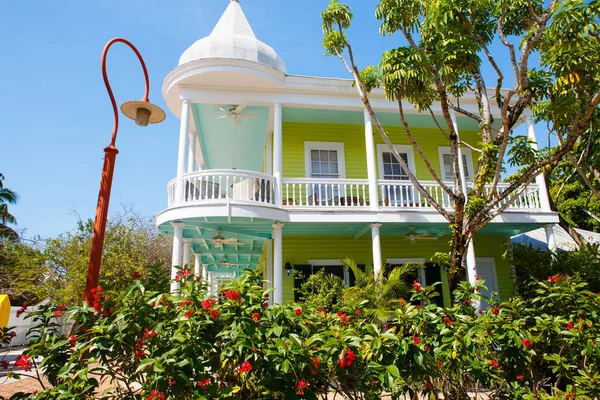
(550, 239)
(377, 263)
(371, 163)
(277, 264)
(472, 269)
(197, 264)
(187, 252)
(461, 165)
(277, 153)
(539, 180)
(192, 152)
(205, 272)
(176, 260)
(184, 128)
(269, 160)
(270, 264)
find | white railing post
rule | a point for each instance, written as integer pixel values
(277, 153)
(183, 149)
(540, 180)
(371, 165)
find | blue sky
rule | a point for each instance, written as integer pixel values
(56, 116)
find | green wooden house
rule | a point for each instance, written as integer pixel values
(283, 172)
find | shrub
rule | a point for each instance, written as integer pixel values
(152, 345)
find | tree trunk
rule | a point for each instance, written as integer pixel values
(457, 269)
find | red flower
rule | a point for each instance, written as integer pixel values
(495, 364)
(214, 313)
(206, 304)
(440, 364)
(196, 278)
(526, 343)
(136, 275)
(57, 314)
(204, 383)
(477, 277)
(4, 364)
(569, 326)
(266, 304)
(189, 314)
(554, 278)
(256, 317)
(346, 358)
(24, 362)
(520, 377)
(73, 340)
(61, 307)
(245, 367)
(416, 285)
(149, 333)
(357, 312)
(172, 382)
(156, 395)
(186, 303)
(448, 320)
(298, 311)
(301, 386)
(496, 309)
(416, 339)
(343, 317)
(21, 310)
(316, 363)
(233, 295)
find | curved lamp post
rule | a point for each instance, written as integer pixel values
(144, 113)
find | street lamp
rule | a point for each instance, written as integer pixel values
(144, 113)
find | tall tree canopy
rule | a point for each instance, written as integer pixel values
(444, 46)
(7, 197)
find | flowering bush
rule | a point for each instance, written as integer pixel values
(152, 345)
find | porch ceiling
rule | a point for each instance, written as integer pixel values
(228, 145)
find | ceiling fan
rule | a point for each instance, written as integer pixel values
(236, 112)
(225, 263)
(413, 236)
(219, 240)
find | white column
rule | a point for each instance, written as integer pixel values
(269, 154)
(472, 269)
(270, 264)
(539, 180)
(277, 153)
(191, 152)
(187, 252)
(197, 264)
(550, 239)
(176, 261)
(376, 238)
(205, 272)
(461, 165)
(277, 264)
(371, 163)
(183, 149)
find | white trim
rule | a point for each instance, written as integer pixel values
(492, 261)
(465, 151)
(400, 148)
(334, 146)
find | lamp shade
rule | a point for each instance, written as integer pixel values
(131, 109)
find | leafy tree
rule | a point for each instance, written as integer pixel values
(443, 48)
(7, 197)
(131, 242)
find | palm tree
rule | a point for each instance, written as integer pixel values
(7, 197)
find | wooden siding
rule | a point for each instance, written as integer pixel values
(299, 249)
(353, 137)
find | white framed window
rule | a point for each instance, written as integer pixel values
(389, 167)
(446, 163)
(486, 269)
(324, 160)
(334, 267)
(402, 261)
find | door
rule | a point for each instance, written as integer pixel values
(486, 269)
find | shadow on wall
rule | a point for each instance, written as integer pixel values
(21, 325)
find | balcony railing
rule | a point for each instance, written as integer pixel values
(254, 188)
(224, 185)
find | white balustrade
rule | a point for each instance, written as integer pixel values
(313, 192)
(224, 185)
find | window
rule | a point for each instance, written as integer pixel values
(330, 267)
(446, 163)
(486, 269)
(427, 274)
(324, 160)
(396, 194)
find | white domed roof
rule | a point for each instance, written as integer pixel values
(233, 38)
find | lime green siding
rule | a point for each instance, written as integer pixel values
(353, 137)
(300, 249)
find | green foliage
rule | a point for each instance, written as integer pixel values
(231, 347)
(131, 243)
(323, 290)
(7, 197)
(532, 265)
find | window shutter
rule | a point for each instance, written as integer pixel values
(433, 274)
(302, 272)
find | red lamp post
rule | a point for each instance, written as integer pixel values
(144, 113)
